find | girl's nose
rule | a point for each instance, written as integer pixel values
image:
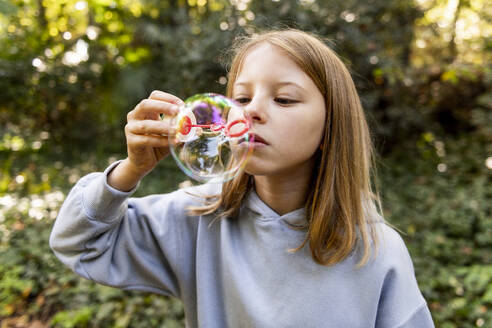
(256, 111)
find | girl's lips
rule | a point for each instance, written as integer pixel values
(257, 139)
(254, 141)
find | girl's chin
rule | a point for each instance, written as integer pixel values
(255, 169)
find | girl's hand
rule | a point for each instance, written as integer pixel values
(146, 138)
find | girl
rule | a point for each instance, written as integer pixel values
(293, 241)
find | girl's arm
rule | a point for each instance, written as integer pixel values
(130, 243)
(401, 303)
(124, 176)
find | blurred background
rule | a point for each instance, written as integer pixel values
(71, 70)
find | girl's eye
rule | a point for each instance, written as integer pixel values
(285, 101)
(242, 100)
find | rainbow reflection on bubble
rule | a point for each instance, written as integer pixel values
(212, 141)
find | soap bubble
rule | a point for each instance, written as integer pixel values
(211, 142)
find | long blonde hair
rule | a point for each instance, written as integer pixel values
(341, 208)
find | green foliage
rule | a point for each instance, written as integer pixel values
(12, 285)
(442, 204)
(69, 319)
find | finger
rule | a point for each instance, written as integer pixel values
(136, 140)
(160, 95)
(148, 127)
(151, 109)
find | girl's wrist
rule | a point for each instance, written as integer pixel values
(124, 176)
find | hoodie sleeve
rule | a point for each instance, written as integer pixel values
(129, 243)
(401, 304)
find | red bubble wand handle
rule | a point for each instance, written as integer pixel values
(185, 126)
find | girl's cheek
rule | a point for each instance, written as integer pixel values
(235, 114)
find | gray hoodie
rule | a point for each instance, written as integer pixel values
(236, 272)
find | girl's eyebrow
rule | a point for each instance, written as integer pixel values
(278, 84)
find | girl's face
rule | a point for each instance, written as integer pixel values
(287, 110)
